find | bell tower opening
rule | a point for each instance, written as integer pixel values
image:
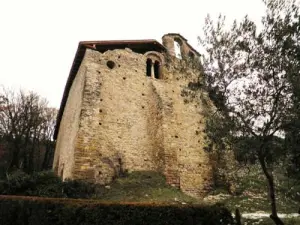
(148, 67)
(157, 70)
(177, 48)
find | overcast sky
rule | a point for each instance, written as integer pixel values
(39, 38)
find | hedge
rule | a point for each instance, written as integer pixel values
(46, 184)
(22, 210)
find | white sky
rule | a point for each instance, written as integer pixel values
(39, 38)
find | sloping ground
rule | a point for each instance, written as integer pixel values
(252, 200)
(137, 198)
(144, 186)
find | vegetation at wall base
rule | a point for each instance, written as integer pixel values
(139, 186)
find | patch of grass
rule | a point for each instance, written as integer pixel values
(252, 192)
(144, 186)
(139, 186)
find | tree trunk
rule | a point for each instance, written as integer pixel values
(271, 188)
(238, 217)
(15, 160)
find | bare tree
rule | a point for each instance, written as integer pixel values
(26, 126)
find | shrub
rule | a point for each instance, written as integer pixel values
(36, 211)
(44, 184)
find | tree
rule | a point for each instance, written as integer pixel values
(249, 75)
(26, 128)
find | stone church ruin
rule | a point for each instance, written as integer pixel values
(124, 109)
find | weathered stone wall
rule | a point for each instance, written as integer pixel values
(185, 49)
(187, 164)
(129, 121)
(64, 153)
(119, 118)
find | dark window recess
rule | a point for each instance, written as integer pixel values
(148, 68)
(156, 69)
(191, 55)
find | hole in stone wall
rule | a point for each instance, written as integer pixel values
(124, 78)
(176, 136)
(110, 64)
(156, 69)
(148, 67)
(100, 110)
(100, 123)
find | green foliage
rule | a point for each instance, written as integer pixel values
(146, 186)
(251, 191)
(21, 211)
(45, 184)
(252, 77)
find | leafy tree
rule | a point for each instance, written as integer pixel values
(251, 77)
(26, 129)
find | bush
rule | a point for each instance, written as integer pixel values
(44, 184)
(35, 211)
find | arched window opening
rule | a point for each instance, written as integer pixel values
(177, 48)
(148, 67)
(156, 69)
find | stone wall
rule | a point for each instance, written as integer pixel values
(186, 50)
(63, 162)
(130, 122)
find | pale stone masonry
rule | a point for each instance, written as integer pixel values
(125, 109)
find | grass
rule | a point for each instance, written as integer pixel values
(139, 186)
(251, 195)
(144, 186)
(148, 186)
